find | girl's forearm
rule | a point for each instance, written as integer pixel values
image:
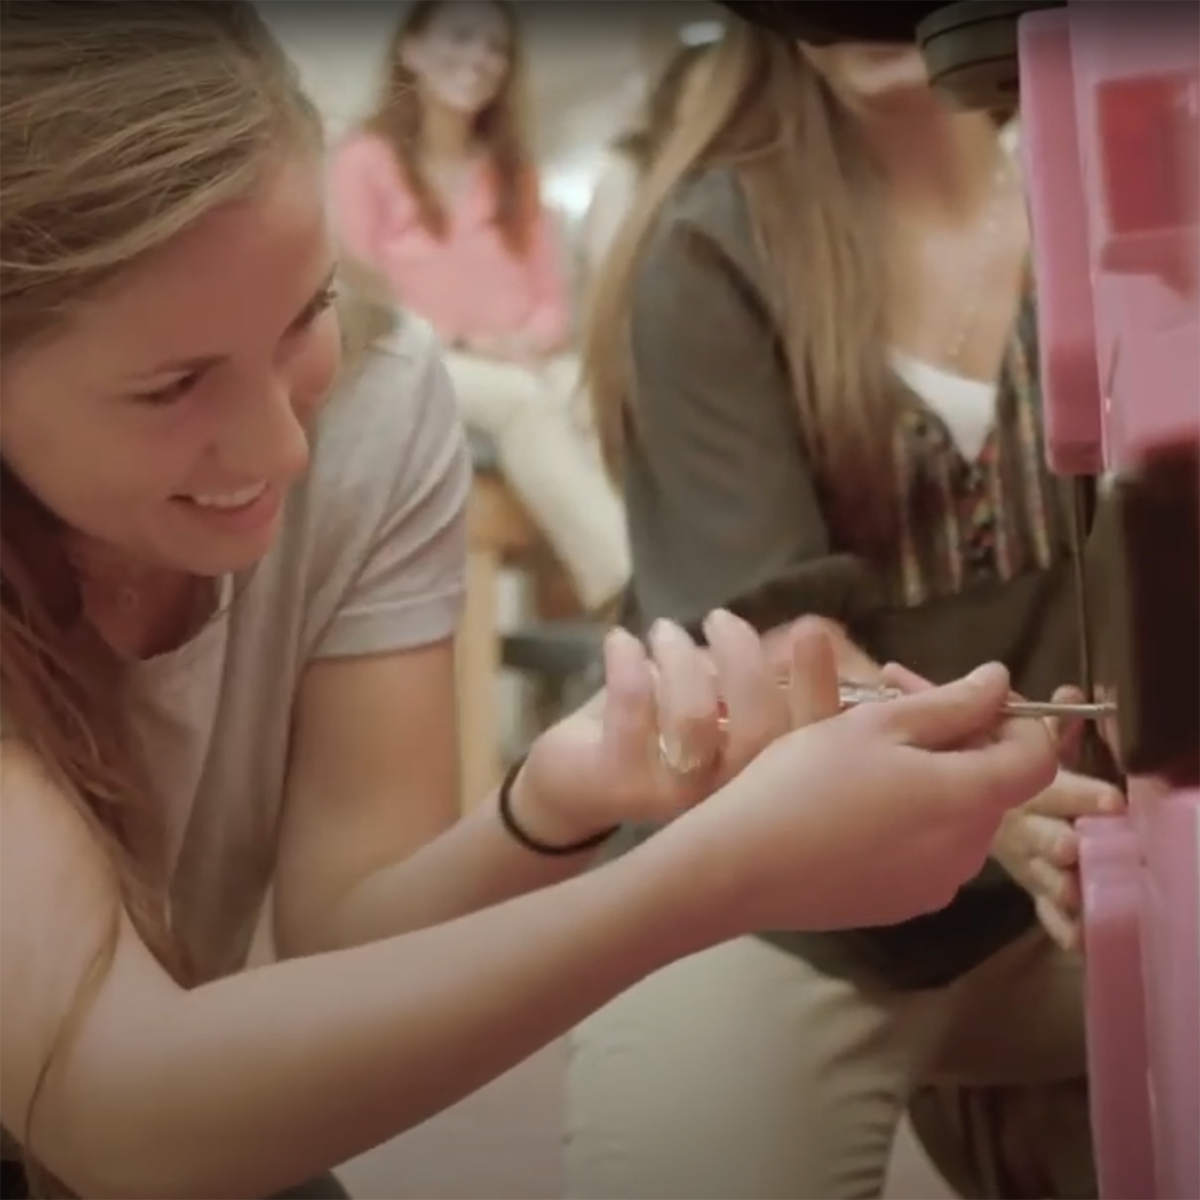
(245, 1086)
(472, 866)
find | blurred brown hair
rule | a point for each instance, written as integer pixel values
(815, 205)
(821, 227)
(661, 109)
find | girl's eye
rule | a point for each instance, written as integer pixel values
(176, 390)
(179, 388)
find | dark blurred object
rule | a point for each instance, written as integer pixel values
(825, 23)
(562, 658)
(970, 47)
(1155, 582)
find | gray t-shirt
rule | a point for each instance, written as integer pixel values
(370, 559)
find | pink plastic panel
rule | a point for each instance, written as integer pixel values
(1118, 1054)
(1141, 893)
(1110, 114)
(1170, 919)
(1136, 83)
(1059, 219)
(1110, 107)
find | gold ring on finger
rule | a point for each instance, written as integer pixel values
(676, 758)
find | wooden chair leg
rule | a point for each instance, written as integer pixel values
(554, 598)
(480, 756)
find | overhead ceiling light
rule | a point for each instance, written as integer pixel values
(701, 33)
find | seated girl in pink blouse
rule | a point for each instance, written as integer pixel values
(437, 193)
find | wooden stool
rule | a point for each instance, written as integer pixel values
(553, 646)
(499, 531)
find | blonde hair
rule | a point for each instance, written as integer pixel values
(124, 124)
(816, 210)
(502, 130)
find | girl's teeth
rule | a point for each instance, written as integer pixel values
(230, 499)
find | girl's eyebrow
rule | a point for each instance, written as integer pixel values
(205, 362)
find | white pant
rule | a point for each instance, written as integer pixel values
(743, 1074)
(550, 458)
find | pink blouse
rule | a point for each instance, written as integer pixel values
(467, 285)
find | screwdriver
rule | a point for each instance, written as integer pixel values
(852, 694)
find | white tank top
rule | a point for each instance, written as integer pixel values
(967, 407)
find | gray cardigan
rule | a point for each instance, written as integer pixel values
(724, 512)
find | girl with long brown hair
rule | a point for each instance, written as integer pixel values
(813, 355)
(439, 192)
(232, 507)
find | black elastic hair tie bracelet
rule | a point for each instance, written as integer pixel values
(509, 820)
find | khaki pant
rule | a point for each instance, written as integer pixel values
(549, 457)
(743, 1074)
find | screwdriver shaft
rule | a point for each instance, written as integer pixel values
(855, 695)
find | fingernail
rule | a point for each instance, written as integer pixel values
(622, 653)
(617, 639)
(1113, 801)
(985, 674)
(614, 640)
(664, 630)
(619, 643)
(717, 618)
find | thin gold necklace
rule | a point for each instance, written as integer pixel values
(989, 241)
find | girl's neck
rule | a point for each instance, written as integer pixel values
(110, 569)
(447, 136)
(140, 609)
(936, 162)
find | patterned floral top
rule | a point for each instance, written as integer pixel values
(996, 517)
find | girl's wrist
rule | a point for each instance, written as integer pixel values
(549, 820)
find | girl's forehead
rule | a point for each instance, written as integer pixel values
(244, 266)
